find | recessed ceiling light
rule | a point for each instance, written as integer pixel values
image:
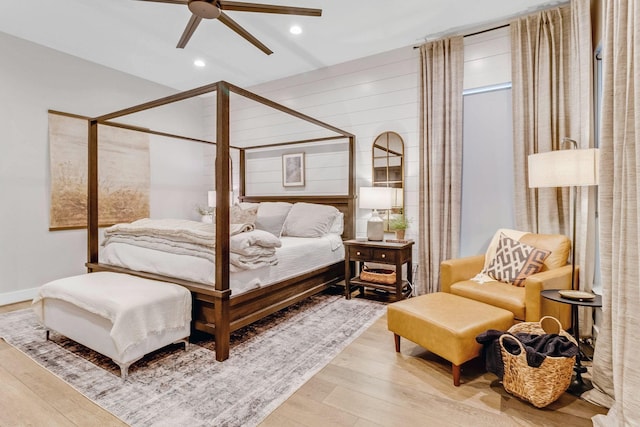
(295, 29)
(199, 63)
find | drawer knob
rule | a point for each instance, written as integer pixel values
(384, 255)
(358, 253)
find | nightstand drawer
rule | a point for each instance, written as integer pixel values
(383, 255)
(360, 254)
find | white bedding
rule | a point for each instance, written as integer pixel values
(297, 255)
(184, 237)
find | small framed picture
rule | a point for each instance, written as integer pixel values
(293, 170)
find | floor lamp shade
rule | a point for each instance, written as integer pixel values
(375, 198)
(565, 168)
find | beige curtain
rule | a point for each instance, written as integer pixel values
(552, 99)
(616, 367)
(440, 187)
(541, 83)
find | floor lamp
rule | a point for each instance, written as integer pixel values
(565, 168)
(568, 168)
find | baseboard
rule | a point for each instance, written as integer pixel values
(18, 296)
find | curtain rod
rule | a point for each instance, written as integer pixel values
(487, 30)
(478, 32)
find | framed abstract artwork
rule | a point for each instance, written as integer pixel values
(293, 170)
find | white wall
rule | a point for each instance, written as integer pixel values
(34, 79)
(177, 186)
(326, 170)
(365, 97)
(487, 59)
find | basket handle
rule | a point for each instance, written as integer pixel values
(554, 319)
(522, 350)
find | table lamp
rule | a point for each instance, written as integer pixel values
(565, 168)
(375, 198)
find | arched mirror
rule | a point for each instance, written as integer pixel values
(388, 171)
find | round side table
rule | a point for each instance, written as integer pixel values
(578, 385)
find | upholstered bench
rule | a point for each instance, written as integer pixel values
(118, 315)
(446, 325)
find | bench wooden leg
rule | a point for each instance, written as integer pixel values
(456, 374)
(396, 339)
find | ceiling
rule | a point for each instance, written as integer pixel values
(139, 37)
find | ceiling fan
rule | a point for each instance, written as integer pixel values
(213, 9)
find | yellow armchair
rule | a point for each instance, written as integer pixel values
(524, 302)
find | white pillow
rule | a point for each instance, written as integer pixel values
(338, 224)
(309, 220)
(248, 205)
(271, 216)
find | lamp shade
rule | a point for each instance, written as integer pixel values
(564, 168)
(376, 197)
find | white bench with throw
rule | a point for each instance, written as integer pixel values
(118, 315)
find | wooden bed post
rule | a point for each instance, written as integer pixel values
(92, 193)
(352, 186)
(243, 168)
(221, 305)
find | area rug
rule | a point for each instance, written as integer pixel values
(269, 361)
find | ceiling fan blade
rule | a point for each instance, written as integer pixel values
(188, 31)
(224, 18)
(268, 8)
(185, 2)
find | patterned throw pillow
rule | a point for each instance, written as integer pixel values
(514, 261)
(237, 215)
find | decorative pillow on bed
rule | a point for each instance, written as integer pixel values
(338, 224)
(515, 261)
(309, 220)
(239, 215)
(271, 216)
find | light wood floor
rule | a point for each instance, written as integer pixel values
(367, 384)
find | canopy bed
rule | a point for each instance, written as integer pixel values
(216, 308)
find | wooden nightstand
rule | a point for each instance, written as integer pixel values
(396, 254)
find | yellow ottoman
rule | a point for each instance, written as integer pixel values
(446, 325)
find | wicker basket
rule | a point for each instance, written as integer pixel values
(540, 386)
(378, 275)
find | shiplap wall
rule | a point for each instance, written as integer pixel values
(326, 170)
(487, 59)
(366, 97)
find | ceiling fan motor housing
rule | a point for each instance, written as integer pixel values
(207, 9)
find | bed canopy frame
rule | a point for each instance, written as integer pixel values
(215, 310)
